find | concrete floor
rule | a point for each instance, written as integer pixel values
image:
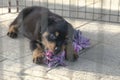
(100, 62)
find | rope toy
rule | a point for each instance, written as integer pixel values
(79, 42)
(54, 60)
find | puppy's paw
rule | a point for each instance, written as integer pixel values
(38, 56)
(12, 32)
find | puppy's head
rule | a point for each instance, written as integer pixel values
(49, 40)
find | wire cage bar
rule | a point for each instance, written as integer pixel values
(98, 10)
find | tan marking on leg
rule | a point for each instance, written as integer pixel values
(12, 28)
(38, 54)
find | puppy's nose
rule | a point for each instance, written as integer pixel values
(52, 37)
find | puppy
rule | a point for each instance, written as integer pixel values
(42, 26)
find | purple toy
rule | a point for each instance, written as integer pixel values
(80, 42)
(54, 60)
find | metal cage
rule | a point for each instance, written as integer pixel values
(98, 10)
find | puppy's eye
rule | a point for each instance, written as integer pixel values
(53, 37)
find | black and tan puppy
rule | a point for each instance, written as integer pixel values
(45, 30)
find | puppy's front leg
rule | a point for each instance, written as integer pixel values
(38, 53)
(71, 55)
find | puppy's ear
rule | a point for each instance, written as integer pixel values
(56, 33)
